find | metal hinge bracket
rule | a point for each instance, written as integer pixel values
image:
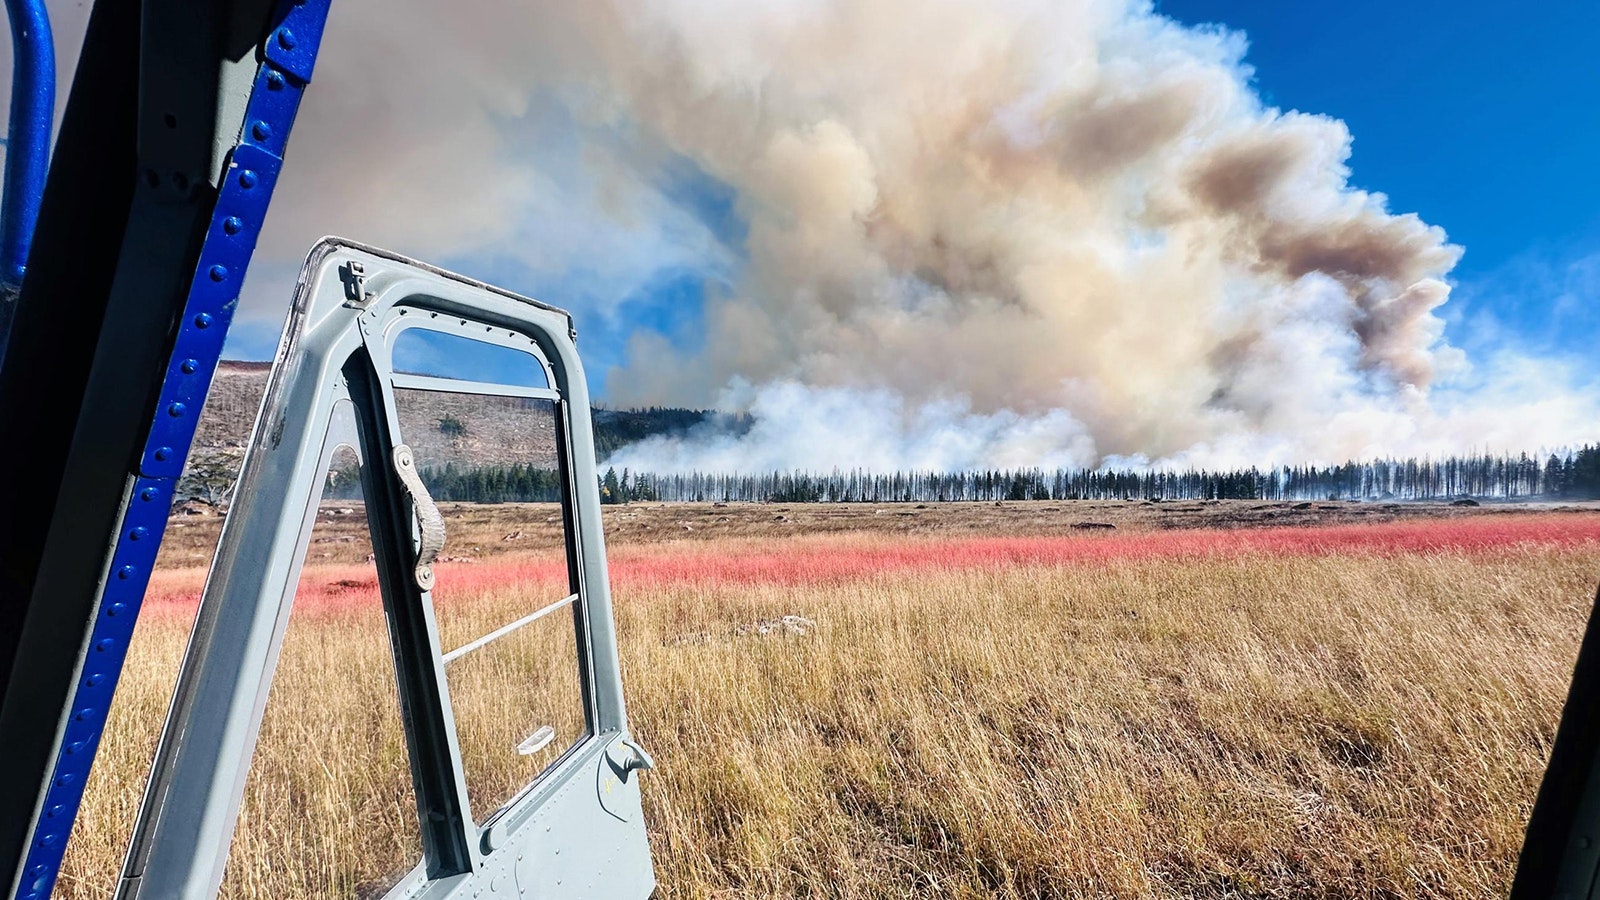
(354, 276)
(429, 521)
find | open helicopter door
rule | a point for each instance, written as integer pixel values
(572, 824)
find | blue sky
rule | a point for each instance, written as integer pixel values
(666, 300)
(1481, 117)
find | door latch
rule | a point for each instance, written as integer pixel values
(619, 789)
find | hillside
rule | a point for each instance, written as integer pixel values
(462, 428)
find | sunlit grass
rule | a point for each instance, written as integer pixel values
(1354, 711)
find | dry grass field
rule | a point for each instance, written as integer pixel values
(1347, 700)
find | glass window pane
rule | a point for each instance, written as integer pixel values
(508, 623)
(518, 704)
(422, 351)
(329, 809)
(481, 449)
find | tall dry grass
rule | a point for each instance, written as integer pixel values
(1349, 723)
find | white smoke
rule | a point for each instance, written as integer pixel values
(873, 429)
(979, 233)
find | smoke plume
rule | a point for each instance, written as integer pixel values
(1018, 232)
(1007, 232)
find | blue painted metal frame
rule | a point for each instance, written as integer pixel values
(243, 196)
(33, 107)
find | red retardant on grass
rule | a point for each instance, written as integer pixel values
(831, 559)
(803, 561)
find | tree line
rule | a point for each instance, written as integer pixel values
(1570, 476)
(520, 483)
(1573, 476)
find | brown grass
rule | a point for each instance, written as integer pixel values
(1252, 724)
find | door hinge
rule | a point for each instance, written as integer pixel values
(429, 521)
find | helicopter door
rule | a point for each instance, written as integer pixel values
(526, 780)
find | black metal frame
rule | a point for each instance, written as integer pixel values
(1561, 852)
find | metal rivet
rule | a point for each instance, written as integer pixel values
(189, 366)
(274, 81)
(247, 178)
(162, 453)
(260, 130)
(84, 713)
(177, 410)
(94, 679)
(54, 811)
(286, 39)
(51, 839)
(231, 225)
(139, 534)
(218, 273)
(116, 609)
(203, 320)
(125, 572)
(147, 494)
(76, 746)
(104, 644)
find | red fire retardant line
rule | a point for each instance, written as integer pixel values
(822, 560)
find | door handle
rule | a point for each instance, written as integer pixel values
(429, 521)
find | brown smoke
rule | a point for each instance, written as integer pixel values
(1077, 207)
(1067, 226)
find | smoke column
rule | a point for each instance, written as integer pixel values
(1063, 232)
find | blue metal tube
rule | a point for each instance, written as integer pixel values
(33, 105)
